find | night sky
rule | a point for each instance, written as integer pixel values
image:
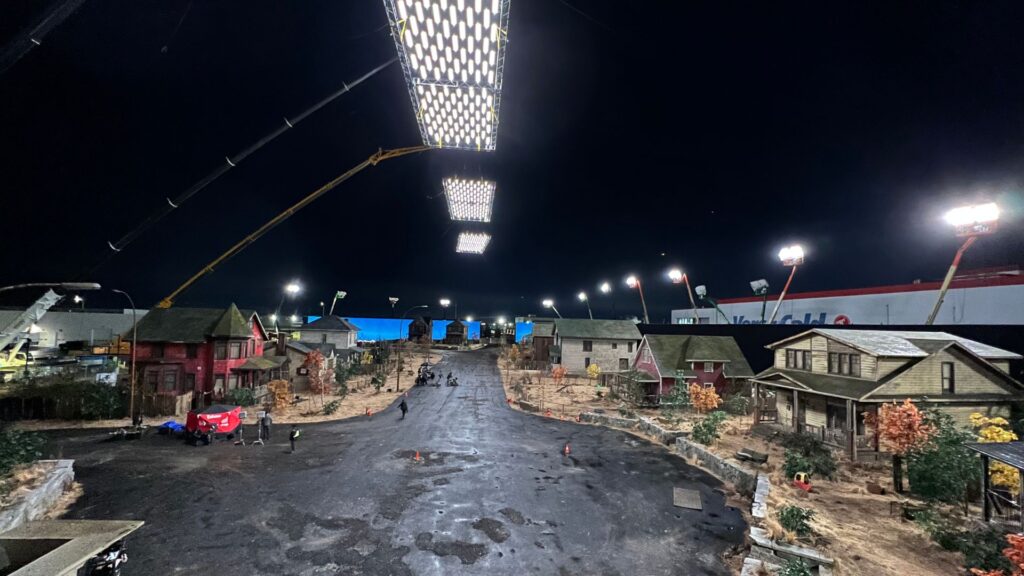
(633, 137)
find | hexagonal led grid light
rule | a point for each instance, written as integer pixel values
(469, 200)
(452, 54)
(472, 242)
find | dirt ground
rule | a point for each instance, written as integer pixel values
(361, 396)
(22, 479)
(850, 524)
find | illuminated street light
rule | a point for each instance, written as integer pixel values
(970, 222)
(549, 303)
(790, 256)
(583, 298)
(293, 318)
(469, 200)
(606, 287)
(469, 318)
(79, 300)
(293, 288)
(445, 303)
(677, 276)
(472, 243)
(501, 320)
(634, 282)
(453, 58)
(273, 318)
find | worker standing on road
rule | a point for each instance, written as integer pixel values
(404, 408)
(293, 436)
(265, 423)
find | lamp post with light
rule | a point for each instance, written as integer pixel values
(790, 256)
(583, 298)
(970, 222)
(135, 334)
(549, 303)
(398, 344)
(445, 303)
(291, 290)
(634, 282)
(677, 276)
(606, 288)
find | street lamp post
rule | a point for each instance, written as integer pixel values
(445, 303)
(583, 298)
(398, 344)
(677, 276)
(702, 293)
(549, 303)
(606, 288)
(634, 282)
(970, 222)
(790, 256)
(135, 335)
(79, 300)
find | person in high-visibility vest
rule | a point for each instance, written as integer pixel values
(294, 435)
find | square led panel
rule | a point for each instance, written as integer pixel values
(472, 243)
(469, 200)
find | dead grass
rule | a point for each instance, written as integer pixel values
(23, 479)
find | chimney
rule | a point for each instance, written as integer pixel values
(281, 338)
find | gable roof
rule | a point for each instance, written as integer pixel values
(904, 343)
(331, 324)
(674, 352)
(826, 384)
(194, 325)
(597, 329)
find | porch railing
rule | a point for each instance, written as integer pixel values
(837, 436)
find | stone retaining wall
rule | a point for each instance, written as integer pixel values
(744, 480)
(38, 502)
(606, 420)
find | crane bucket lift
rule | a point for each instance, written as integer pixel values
(16, 331)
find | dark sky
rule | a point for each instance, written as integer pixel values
(711, 132)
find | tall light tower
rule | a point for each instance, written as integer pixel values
(606, 288)
(445, 303)
(677, 276)
(790, 256)
(634, 282)
(583, 298)
(291, 290)
(969, 222)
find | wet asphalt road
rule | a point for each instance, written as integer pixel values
(492, 495)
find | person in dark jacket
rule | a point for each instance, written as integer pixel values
(265, 423)
(404, 408)
(294, 435)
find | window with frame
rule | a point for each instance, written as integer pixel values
(948, 378)
(234, 350)
(220, 350)
(844, 364)
(615, 345)
(190, 382)
(629, 346)
(191, 350)
(152, 380)
(623, 364)
(170, 382)
(218, 384)
(709, 367)
(586, 362)
(588, 345)
(232, 381)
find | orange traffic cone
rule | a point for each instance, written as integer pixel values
(548, 413)
(565, 451)
(417, 458)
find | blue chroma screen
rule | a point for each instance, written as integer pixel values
(391, 328)
(523, 329)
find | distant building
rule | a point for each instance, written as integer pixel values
(289, 357)
(91, 327)
(824, 381)
(330, 330)
(668, 360)
(543, 339)
(198, 350)
(456, 333)
(608, 343)
(421, 329)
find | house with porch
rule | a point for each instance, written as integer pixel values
(198, 352)
(666, 360)
(823, 381)
(579, 343)
(289, 357)
(456, 333)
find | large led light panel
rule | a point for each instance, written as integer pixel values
(452, 54)
(469, 200)
(472, 243)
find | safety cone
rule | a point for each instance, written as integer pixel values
(577, 417)
(417, 458)
(548, 413)
(566, 451)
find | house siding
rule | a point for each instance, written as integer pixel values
(1003, 365)
(925, 378)
(819, 354)
(602, 354)
(340, 339)
(814, 409)
(886, 366)
(962, 413)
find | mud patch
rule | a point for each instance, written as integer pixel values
(441, 481)
(494, 529)
(467, 552)
(393, 506)
(513, 515)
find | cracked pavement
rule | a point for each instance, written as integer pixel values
(491, 494)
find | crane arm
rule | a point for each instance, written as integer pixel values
(24, 321)
(374, 159)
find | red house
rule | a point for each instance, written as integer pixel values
(664, 360)
(206, 351)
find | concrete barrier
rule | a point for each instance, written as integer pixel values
(743, 479)
(528, 407)
(606, 420)
(36, 503)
